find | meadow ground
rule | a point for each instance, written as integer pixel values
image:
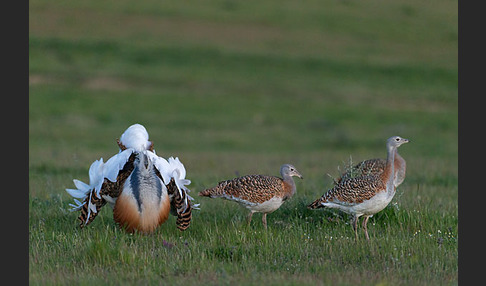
(234, 88)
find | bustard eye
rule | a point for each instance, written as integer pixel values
(397, 139)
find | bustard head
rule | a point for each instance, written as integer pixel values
(290, 170)
(396, 141)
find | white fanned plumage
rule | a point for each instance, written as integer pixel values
(107, 184)
(83, 190)
(136, 137)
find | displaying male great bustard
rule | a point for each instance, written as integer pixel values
(141, 187)
(365, 195)
(258, 193)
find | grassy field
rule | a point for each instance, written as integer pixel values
(234, 88)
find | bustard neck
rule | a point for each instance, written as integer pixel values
(389, 172)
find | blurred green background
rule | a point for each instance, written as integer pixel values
(291, 78)
(237, 87)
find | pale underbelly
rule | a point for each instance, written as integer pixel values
(266, 207)
(368, 207)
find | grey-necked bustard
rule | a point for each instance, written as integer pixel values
(258, 193)
(364, 195)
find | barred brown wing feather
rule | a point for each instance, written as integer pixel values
(178, 206)
(184, 218)
(86, 216)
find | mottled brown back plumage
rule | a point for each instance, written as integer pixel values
(366, 167)
(352, 191)
(251, 188)
(376, 167)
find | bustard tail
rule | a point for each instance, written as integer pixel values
(212, 192)
(316, 204)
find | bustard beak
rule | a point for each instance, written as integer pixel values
(298, 175)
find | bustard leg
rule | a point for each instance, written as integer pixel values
(249, 217)
(355, 226)
(264, 220)
(365, 222)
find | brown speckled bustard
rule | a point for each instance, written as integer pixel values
(141, 187)
(258, 193)
(364, 195)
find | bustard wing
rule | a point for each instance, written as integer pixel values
(351, 191)
(172, 172)
(364, 168)
(106, 181)
(109, 193)
(180, 206)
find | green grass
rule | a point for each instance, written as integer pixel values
(237, 88)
